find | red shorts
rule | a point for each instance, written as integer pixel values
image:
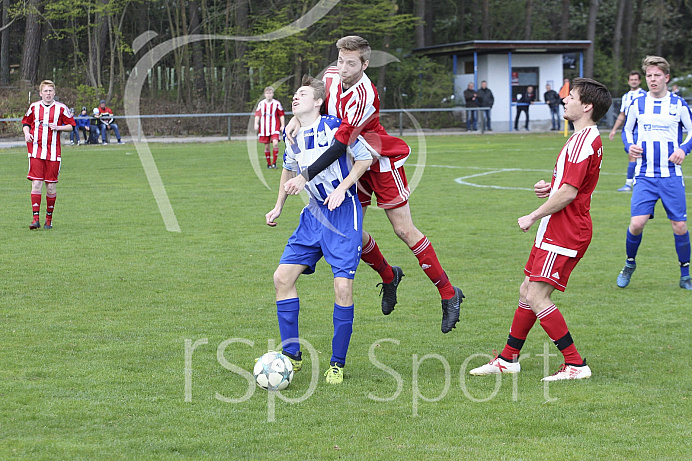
(268, 139)
(390, 187)
(550, 267)
(43, 170)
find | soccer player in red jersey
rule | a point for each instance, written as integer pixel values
(269, 123)
(563, 235)
(353, 98)
(42, 125)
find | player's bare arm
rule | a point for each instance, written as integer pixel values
(560, 199)
(281, 199)
(28, 137)
(616, 126)
(335, 199)
(292, 130)
(257, 123)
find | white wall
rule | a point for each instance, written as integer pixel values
(495, 70)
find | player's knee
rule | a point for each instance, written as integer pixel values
(281, 280)
(343, 291)
(679, 227)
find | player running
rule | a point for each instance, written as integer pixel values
(353, 98)
(330, 225)
(563, 235)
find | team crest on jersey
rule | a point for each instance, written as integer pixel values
(673, 109)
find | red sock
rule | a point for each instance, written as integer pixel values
(372, 256)
(36, 204)
(524, 319)
(275, 153)
(554, 324)
(50, 204)
(427, 258)
(267, 156)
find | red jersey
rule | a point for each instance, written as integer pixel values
(568, 231)
(359, 110)
(46, 145)
(108, 112)
(270, 113)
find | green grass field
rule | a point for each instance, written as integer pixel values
(99, 316)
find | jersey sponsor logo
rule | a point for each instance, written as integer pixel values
(651, 127)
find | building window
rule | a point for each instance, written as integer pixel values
(522, 78)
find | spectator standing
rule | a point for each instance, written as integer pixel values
(634, 80)
(269, 123)
(527, 98)
(553, 100)
(42, 124)
(106, 118)
(486, 99)
(675, 89)
(471, 98)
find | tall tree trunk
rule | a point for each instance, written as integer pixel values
(527, 22)
(564, 20)
(591, 35)
(617, 42)
(5, 44)
(420, 27)
(627, 35)
(461, 20)
(485, 20)
(32, 43)
(634, 35)
(659, 18)
(197, 51)
(429, 21)
(240, 83)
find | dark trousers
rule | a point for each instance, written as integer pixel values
(521, 109)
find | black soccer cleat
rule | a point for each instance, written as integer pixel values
(450, 310)
(388, 291)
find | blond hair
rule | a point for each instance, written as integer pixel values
(355, 43)
(46, 83)
(268, 89)
(656, 61)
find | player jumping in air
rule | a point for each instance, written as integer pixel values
(563, 235)
(353, 98)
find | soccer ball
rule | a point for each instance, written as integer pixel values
(273, 371)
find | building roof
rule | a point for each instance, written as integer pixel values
(504, 47)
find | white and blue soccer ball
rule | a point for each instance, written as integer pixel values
(273, 371)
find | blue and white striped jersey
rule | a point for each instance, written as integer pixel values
(660, 123)
(311, 142)
(630, 96)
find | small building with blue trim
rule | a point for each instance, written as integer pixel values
(509, 67)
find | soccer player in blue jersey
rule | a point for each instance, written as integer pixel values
(331, 225)
(660, 151)
(634, 80)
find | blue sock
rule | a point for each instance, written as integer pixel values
(630, 169)
(343, 327)
(287, 312)
(682, 246)
(632, 245)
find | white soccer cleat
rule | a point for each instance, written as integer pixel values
(569, 372)
(495, 367)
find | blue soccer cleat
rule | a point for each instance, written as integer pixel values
(626, 274)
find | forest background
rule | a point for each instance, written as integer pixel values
(86, 46)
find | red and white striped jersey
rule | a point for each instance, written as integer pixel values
(568, 231)
(359, 110)
(46, 145)
(269, 113)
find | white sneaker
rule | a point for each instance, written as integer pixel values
(569, 372)
(496, 366)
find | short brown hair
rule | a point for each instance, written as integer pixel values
(656, 61)
(317, 86)
(594, 93)
(355, 43)
(46, 83)
(637, 73)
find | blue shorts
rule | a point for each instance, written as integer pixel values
(337, 235)
(671, 191)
